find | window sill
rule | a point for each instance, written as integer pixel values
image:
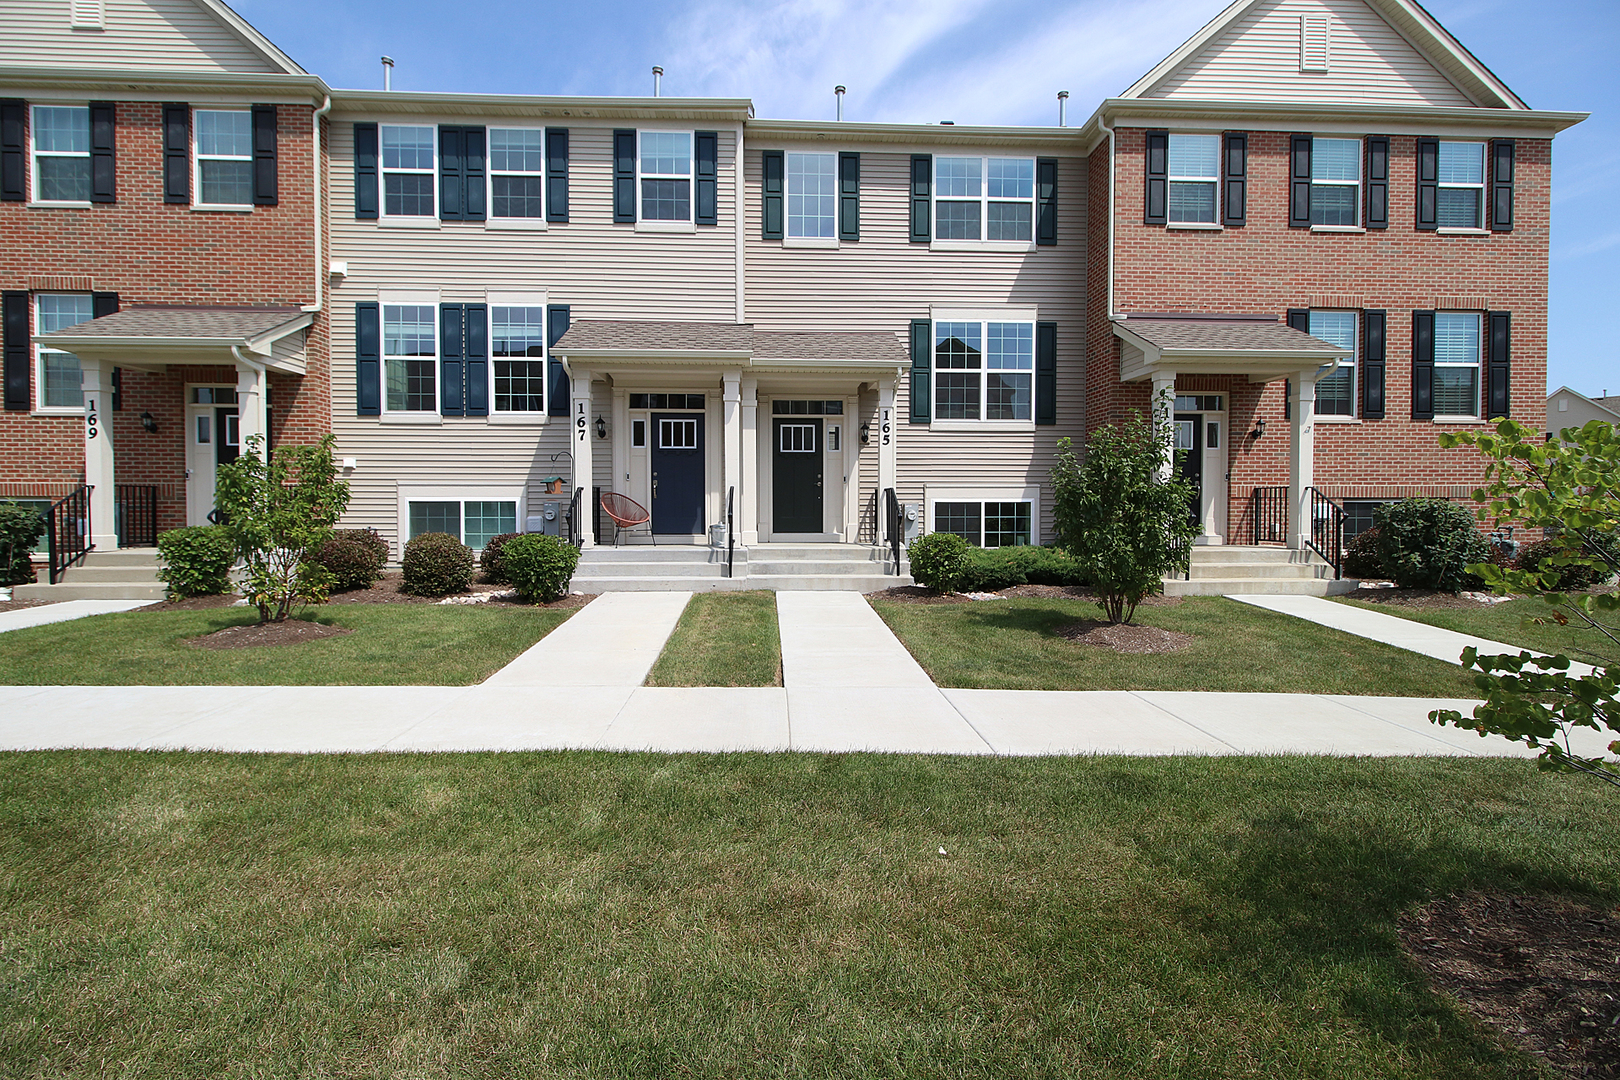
(59, 410)
(60, 205)
(516, 224)
(1353, 229)
(1007, 246)
(210, 208)
(666, 227)
(433, 419)
(1459, 420)
(1320, 419)
(408, 223)
(1463, 232)
(1196, 226)
(984, 427)
(517, 419)
(810, 242)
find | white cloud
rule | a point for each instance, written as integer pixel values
(1590, 247)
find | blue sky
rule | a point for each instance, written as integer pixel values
(973, 61)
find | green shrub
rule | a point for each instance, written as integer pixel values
(538, 566)
(1428, 543)
(354, 558)
(437, 564)
(490, 560)
(1575, 577)
(993, 569)
(197, 560)
(20, 529)
(1361, 555)
(938, 560)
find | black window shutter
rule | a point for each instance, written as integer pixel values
(706, 152)
(1428, 179)
(1377, 151)
(118, 389)
(624, 178)
(1046, 180)
(557, 388)
(1423, 365)
(1235, 178)
(264, 155)
(922, 186)
(1299, 319)
(477, 349)
(14, 330)
(367, 356)
(365, 171)
(103, 151)
(1498, 400)
(473, 182)
(557, 175)
(1372, 365)
(1288, 399)
(452, 176)
(1502, 185)
(13, 150)
(922, 345)
(177, 153)
(771, 195)
(452, 353)
(1156, 168)
(1046, 373)
(1299, 182)
(849, 196)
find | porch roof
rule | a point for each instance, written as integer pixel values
(1259, 346)
(156, 335)
(735, 344)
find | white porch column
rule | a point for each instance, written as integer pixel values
(888, 461)
(1162, 408)
(580, 443)
(251, 418)
(99, 469)
(731, 456)
(748, 490)
(1302, 458)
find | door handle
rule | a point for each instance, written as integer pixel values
(655, 487)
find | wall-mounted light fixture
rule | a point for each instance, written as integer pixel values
(866, 434)
(147, 422)
(601, 428)
(1259, 428)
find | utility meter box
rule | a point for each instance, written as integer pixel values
(911, 519)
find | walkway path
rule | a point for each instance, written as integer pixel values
(64, 610)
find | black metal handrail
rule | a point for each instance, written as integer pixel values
(896, 528)
(1268, 515)
(137, 515)
(1326, 534)
(67, 530)
(868, 533)
(575, 530)
(731, 530)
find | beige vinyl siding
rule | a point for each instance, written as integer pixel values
(168, 35)
(883, 281)
(1257, 59)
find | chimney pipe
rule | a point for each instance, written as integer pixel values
(1063, 108)
(388, 72)
(838, 92)
(658, 73)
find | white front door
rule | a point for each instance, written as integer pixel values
(213, 437)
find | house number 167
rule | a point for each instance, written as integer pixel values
(579, 422)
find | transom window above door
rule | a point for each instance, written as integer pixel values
(666, 401)
(807, 408)
(677, 434)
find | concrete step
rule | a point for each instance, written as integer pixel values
(821, 552)
(91, 590)
(123, 557)
(1234, 553)
(673, 571)
(1260, 586)
(804, 567)
(134, 575)
(647, 553)
(826, 582)
(1278, 570)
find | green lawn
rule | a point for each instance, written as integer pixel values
(723, 639)
(391, 645)
(1505, 622)
(607, 915)
(1013, 644)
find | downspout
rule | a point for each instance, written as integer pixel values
(1113, 222)
(315, 165)
(737, 181)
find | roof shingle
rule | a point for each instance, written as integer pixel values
(1225, 335)
(205, 323)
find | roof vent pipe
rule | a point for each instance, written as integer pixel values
(388, 72)
(838, 92)
(658, 73)
(1063, 108)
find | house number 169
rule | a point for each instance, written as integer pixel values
(90, 418)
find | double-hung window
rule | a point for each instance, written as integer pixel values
(986, 524)
(1456, 363)
(408, 171)
(1460, 193)
(1335, 181)
(517, 173)
(984, 370)
(224, 143)
(1336, 394)
(984, 198)
(665, 164)
(61, 153)
(60, 378)
(1194, 176)
(518, 344)
(812, 195)
(410, 358)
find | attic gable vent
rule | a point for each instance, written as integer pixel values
(87, 14)
(1313, 43)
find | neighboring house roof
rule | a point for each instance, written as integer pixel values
(1609, 405)
(199, 37)
(156, 335)
(1256, 345)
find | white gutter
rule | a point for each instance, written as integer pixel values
(315, 165)
(737, 179)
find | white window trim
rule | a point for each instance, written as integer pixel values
(689, 223)
(40, 349)
(1170, 179)
(462, 493)
(492, 300)
(984, 200)
(980, 316)
(523, 224)
(418, 221)
(787, 197)
(196, 166)
(33, 154)
(824, 243)
(1353, 362)
(1032, 495)
(1478, 364)
(1481, 187)
(414, 299)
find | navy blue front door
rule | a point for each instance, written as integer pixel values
(677, 473)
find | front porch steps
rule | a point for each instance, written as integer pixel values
(125, 574)
(780, 567)
(1222, 570)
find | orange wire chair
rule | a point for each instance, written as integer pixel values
(625, 512)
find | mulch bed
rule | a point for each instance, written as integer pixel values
(1416, 598)
(1125, 637)
(1541, 972)
(385, 591)
(18, 605)
(253, 635)
(193, 603)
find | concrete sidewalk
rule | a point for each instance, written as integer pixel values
(64, 611)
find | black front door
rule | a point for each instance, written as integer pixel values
(677, 473)
(1190, 456)
(227, 440)
(796, 476)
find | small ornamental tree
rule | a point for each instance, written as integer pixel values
(1125, 526)
(1570, 487)
(279, 515)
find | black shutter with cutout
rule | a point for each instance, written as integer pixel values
(14, 344)
(1046, 373)
(1156, 168)
(177, 153)
(106, 303)
(452, 176)
(103, 152)
(476, 345)
(706, 158)
(1299, 319)
(1235, 179)
(474, 184)
(367, 359)
(452, 353)
(264, 156)
(624, 179)
(1423, 365)
(557, 175)
(365, 171)
(922, 186)
(922, 346)
(1428, 184)
(1299, 182)
(13, 150)
(771, 195)
(1498, 401)
(1377, 151)
(1502, 185)
(849, 196)
(557, 389)
(1046, 185)
(1372, 365)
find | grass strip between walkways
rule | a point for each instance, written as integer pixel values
(1505, 622)
(1014, 645)
(390, 645)
(723, 639)
(627, 915)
